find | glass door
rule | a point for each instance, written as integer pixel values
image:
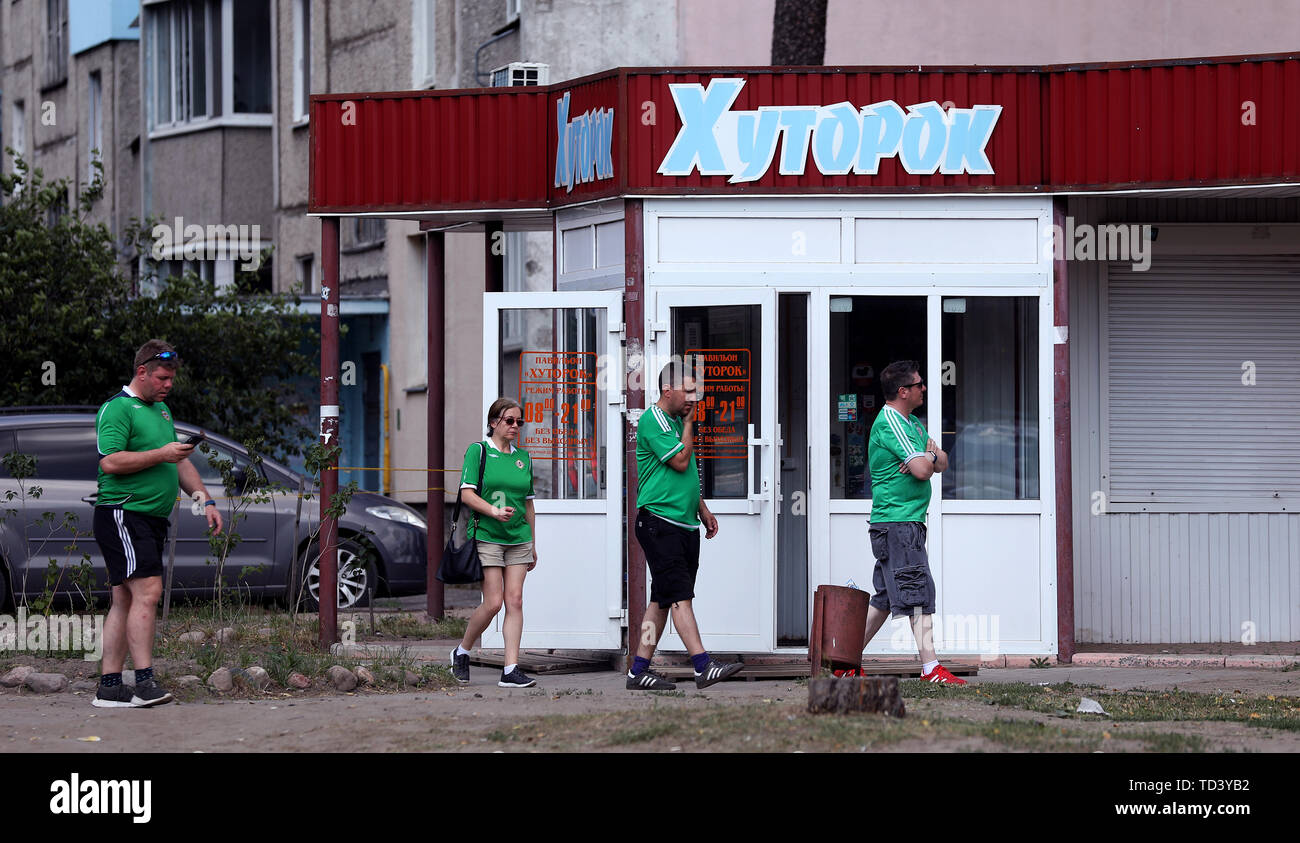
(557, 354)
(731, 336)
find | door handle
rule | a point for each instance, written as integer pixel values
(765, 482)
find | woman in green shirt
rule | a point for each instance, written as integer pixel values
(503, 526)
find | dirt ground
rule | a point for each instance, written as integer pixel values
(593, 712)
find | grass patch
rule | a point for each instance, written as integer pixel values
(410, 625)
(1169, 741)
(641, 734)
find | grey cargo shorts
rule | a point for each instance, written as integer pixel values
(902, 579)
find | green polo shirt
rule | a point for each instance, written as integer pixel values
(895, 494)
(672, 495)
(128, 423)
(507, 481)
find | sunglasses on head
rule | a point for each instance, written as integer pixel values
(166, 355)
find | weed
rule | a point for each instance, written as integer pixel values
(1040, 663)
(1169, 741)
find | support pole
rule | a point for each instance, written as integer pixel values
(435, 280)
(329, 429)
(634, 324)
(1064, 475)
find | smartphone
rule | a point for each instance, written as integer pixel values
(192, 438)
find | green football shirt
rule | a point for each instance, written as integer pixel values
(895, 494)
(128, 423)
(507, 481)
(672, 495)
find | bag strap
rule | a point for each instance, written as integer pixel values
(482, 464)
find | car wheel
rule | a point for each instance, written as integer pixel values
(356, 580)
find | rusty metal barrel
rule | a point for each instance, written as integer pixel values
(839, 625)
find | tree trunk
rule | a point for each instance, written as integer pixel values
(877, 694)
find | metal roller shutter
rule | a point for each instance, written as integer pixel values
(1201, 385)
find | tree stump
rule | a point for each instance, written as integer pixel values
(874, 694)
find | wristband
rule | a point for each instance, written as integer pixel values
(209, 503)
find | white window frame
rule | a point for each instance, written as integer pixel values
(94, 123)
(19, 139)
(301, 61)
(224, 18)
(513, 10)
(424, 65)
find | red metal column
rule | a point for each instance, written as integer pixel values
(1064, 476)
(435, 281)
(494, 257)
(634, 324)
(329, 429)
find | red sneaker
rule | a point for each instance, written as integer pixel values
(941, 675)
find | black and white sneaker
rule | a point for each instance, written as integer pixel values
(148, 693)
(648, 680)
(716, 672)
(460, 667)
(515, 679)
(118, 696)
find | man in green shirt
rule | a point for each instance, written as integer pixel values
(668, 529)
(140, 465)
(902, 458)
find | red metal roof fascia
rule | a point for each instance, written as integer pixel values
(392, 151)
(590, 101)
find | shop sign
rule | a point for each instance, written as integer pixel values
(558, 391)
(722, 413)
(843, 138)
(583, 144)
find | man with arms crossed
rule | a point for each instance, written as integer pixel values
(139, 467)
(668, 529)
(902, 459)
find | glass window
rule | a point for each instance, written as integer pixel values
(550, 365)
(63, 452)
(990, 398)
(867, 334)
(252, 57)
(727, 342)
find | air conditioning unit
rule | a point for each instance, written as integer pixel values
(521, 73)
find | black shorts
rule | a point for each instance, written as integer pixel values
(673, 555)
(132, 543)
(901, 580)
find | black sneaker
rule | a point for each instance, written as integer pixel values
(648, 680)
(515, 679)
(148, 693)
(460, 667)
(716, 672)
(118, 696)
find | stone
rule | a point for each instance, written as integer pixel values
(364, 676)
(221, 681)
(342, 678)
(195, 636)
(411, 677)
(189, 680)
(46, 683)
(225, 635)
(257, 677)
(17, 676)
(85, 685)
(297, 680)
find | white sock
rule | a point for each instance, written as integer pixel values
(461, 651)
(929, 667)
(508, 668)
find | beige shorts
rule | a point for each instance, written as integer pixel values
(496, 555)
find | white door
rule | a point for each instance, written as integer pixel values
(557, 354)
(734, 332)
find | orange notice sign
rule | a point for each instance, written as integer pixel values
(722, 415)
(558, 392)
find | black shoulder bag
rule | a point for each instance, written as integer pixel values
(461, 565)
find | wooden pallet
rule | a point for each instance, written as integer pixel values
(544, 661)
(902, 668)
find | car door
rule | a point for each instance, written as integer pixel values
(67, 468)
(250, 562)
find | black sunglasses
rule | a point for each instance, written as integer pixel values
(908, 385)
(511, 420)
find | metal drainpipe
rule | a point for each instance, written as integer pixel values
(509, 28)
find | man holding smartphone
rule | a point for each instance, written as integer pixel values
(140, 466)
